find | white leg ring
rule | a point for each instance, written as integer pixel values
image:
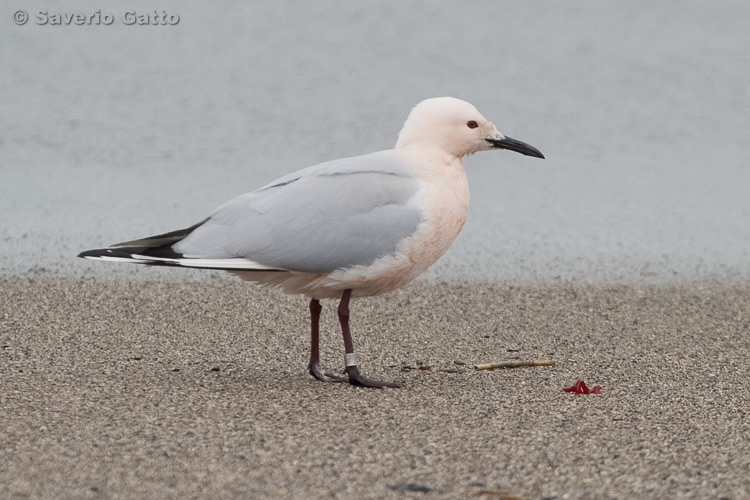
(350, 359)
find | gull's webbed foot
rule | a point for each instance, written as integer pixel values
(317, 372)
(356, 378)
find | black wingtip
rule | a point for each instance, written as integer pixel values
(135, 253)
(91, 253)
(108, 252)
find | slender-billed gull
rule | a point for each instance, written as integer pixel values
(354, 227)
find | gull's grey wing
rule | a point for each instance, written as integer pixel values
(334, 215)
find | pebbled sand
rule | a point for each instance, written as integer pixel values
(179, 389)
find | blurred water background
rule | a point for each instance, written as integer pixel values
(111, 132)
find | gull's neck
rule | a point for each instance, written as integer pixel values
(431, 153)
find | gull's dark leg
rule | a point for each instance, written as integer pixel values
(314, 366)
(355, 378)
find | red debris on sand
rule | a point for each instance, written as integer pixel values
(580, 388)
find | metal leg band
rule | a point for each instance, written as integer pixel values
(350, 359)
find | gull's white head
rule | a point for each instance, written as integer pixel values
(455, 127)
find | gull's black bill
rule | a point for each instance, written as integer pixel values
(517, 146)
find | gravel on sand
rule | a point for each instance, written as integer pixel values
(198, 389)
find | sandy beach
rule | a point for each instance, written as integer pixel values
(179, 389)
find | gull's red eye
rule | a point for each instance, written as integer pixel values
(472, 124)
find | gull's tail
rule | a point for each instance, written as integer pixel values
(158, 251)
